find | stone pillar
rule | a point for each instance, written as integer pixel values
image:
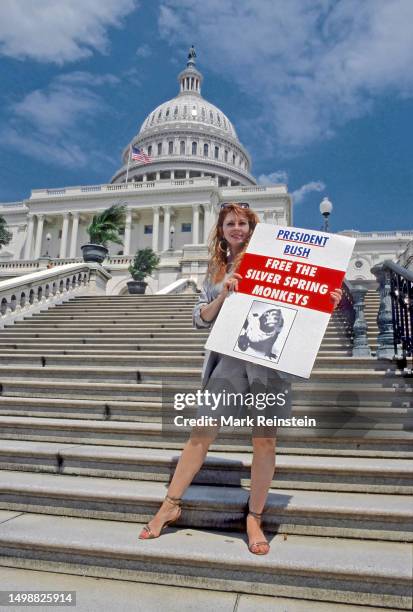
(39, 236)
(128, 231)
(361, 346)
(228, 182)
(73, 240)
(385, 337)
(195, 224)
(158, 176)
(172, 175)
(209, 220)
(63, 240)
(155, 230)
(29, 238)
(166, 227)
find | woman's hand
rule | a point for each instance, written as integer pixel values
(231, 284)
(336, 296)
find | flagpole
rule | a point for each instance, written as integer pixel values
(127, 169)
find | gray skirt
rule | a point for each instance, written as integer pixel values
(241, 390)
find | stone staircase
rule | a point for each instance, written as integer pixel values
(85, 461)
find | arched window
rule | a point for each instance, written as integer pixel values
(167, 113)
(150, 150)
(211, 116)
(194, 148)
(225, 122)
(176, 112)
(216, 152)
(152, 118)
(218, 119)
(182, 147)
(170, 147)
(159, 148)
(203, 113)
(160, 114)
(226, 155)
(233, 158)
(206, 150)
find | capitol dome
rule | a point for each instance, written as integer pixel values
(187, 137)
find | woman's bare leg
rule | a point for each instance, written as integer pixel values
(190, 462)
(262, 472)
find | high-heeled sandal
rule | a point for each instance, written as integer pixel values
(176, 501)
(263, 542)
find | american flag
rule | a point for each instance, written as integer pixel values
(140, 155)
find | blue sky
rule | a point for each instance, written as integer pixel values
(320, 92)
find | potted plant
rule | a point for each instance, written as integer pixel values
(105, 227)
(143, 265)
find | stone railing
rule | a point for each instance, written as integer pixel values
(122, 187)
(31, 293)
(182, 285)
(351, 309)
(406, 258)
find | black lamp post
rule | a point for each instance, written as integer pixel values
(325, 208)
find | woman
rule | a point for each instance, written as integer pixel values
(230, 238)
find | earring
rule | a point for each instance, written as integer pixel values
(223, 246)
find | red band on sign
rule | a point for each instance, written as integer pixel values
(292, 282)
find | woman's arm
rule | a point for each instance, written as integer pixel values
(210, 311)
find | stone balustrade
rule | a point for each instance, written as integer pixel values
(31, 293)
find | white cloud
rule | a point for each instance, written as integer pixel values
(58, 31)
(280, 176)
(144, 51)
(311, 65)
(51, 124)
(300, 194)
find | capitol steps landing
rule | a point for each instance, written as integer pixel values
(84, 461)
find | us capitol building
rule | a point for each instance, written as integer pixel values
(196, 162)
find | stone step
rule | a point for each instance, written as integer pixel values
(109, 351)
(310, 513)
(305, 472)
(309, 567)
(349, 391)
(154, 435)
(94, 594)
(328, 413)
(125, 348)
(138, 341)
(166, 358)
(164, 375)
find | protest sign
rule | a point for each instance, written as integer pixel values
(279, 314)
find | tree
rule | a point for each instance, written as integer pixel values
(5, 235)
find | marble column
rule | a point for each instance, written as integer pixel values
(209, 220)
(29, 238)
(166, 227)
(195, 224)
(39, 236)
(155, 230)
(63, 240)
(73, 240)
(128, 232)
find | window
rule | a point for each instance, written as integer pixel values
(186, 227)
(159, 148)
(159, 114)
(233, 158)
(216, 152)
(147, 229)
(182, 147)
(150, 150)
(194, 148)
(225, 122)
(359, 264)
(170, 147)
(218, 119)
(203, 114)
(152, 118)
(226, 155)
(206, 150)
(167, 112)
(211, 117)
(176, 112)
(185, 110)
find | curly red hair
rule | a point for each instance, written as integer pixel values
(218, 251)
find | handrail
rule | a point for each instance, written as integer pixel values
(401, 293)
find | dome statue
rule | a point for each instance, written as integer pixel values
(187, 137)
